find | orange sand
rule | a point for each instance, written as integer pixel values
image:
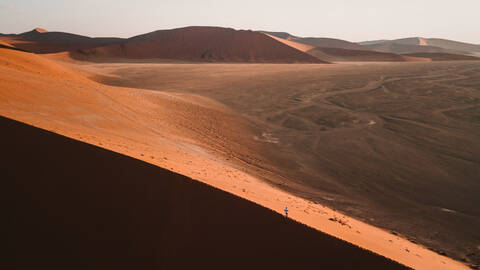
(169, 131)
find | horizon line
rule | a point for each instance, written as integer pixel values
(239, 29)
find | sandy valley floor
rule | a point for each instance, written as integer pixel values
(393, 145)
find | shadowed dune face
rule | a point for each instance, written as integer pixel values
(392, 144)
(201, 44)
(145, 124)
(77, 206)
(40, 30)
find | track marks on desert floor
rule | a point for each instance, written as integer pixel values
(375, 141)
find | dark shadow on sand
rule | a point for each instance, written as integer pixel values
(71, 205)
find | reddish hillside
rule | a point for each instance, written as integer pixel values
(41, 41)
(201, 44)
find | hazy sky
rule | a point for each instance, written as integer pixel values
(354, 20)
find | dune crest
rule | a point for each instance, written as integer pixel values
(40, 30)
(299, 46)
(422, 42)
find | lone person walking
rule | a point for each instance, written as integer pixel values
(286, 211)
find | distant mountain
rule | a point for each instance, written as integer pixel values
(319, 41)
(217, 44)
(421, 45)
(41, 41)
(201, 44)
(334, 54)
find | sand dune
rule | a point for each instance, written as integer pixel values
(422, 45)
(371, 42)
(454, 45)
(41, 41)
(201, 44)
(339, 54)
(84, 207)
(40, 30)
(283, 35)
(345, 55)
(412, 41)
(444, 56)
(299, 46)
(331, 43)
(318, 41)
(403, 48)
(194, 136)
(448, 45)
(6, 45)
(329, 130)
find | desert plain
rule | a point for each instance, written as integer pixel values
(378, 141)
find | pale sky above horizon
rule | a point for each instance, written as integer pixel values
(353, 20)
